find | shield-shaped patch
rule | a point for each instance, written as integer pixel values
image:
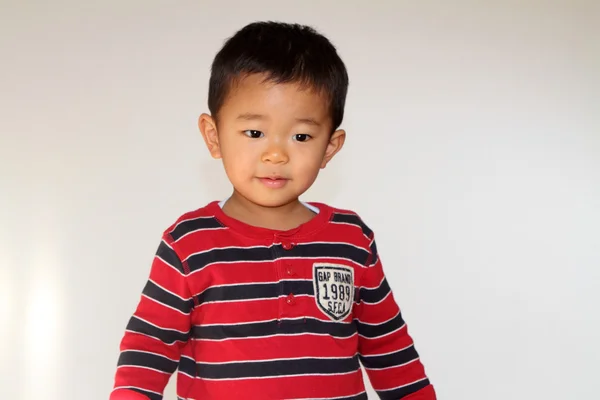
(334, 289)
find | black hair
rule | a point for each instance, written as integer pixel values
(285, 53)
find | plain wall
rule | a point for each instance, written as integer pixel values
(473, 151)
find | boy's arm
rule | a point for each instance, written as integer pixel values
(385, 348)
(160, 326)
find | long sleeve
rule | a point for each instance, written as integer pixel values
(386, 349)
(155, 334)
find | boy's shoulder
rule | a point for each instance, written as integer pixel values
(203, 218)
(345, 216)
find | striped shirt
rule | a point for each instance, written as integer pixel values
(253, 313)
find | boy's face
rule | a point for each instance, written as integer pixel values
(273, 139)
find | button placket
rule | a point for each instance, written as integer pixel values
(286, 271)
(289, 271)
(278, 263)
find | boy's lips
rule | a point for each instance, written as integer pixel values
(274, 182)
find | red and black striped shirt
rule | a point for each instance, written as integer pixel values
(254, 313)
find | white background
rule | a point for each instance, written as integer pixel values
(473, 151)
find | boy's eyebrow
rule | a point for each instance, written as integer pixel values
(308, 121)
(251, 117)
(259, 117)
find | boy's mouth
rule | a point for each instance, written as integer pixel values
(274, 182)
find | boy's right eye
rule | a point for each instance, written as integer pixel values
(253, 134)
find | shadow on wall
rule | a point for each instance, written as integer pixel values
(213, 176)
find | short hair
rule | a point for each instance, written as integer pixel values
(285, 53)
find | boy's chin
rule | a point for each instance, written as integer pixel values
(275, 203)
(271, 200)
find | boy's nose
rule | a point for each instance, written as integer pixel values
(275, 155)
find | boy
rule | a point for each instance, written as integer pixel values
(263, 296)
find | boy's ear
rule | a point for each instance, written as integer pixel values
(336, 142)
(208, 128)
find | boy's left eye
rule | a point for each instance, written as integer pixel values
(301, 137)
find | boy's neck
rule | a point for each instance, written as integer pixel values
(283, 218)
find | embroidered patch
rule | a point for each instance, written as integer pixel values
(334, 289)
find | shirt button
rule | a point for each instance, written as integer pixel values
(288, 245)
(289, 271)
(290, 299)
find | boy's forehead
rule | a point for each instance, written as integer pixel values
(257, 94)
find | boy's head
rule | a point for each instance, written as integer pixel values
(276, 95)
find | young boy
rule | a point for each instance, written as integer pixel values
(263, 296)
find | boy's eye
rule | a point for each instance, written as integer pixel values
(301, 137)
(253, 134)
